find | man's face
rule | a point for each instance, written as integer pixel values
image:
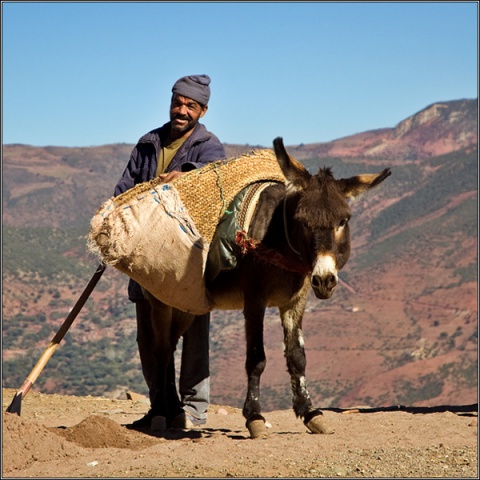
(184, 115)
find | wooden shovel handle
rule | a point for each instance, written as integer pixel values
(39, 366)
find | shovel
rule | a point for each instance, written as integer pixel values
(16, 404)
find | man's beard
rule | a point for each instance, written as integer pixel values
(184, 127)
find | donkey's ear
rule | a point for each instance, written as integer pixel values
(354, 187)
(295, 173)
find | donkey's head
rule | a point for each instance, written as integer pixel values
(319, 204)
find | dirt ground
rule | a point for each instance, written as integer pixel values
(67, 436)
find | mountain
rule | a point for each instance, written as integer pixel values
(402, 328)
(438, 129)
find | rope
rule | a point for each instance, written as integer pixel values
(217, 171)
(285, 227)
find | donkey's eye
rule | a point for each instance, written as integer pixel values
(343, 222)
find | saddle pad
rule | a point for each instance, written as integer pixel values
(223, 248)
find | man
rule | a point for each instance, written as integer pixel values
(181, 145)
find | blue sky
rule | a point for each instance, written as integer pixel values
(94, 73)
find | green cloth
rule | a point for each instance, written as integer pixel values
(222, 252)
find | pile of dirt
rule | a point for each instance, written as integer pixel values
(100, 432)
(25, 442)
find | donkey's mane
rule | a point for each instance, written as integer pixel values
(325, 172)
(322, 178)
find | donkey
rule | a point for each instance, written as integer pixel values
(299, 238)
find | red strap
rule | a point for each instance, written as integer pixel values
(250, 245)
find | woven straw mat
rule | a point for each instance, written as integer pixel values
(207, 191)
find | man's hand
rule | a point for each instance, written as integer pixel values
(168, 177)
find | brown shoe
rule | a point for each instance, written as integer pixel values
(186, 421)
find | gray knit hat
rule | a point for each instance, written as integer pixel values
(195, 87)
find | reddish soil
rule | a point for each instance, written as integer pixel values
(66, 436)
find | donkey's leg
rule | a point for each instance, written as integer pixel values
(296, 362)
(254, 365)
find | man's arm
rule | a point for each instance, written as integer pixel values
(210, 152)
(127, 180)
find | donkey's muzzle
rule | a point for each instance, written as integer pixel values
(324, 285)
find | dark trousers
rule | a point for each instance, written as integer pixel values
(194, 381)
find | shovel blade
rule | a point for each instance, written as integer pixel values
(16, 404)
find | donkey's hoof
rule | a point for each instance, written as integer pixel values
(158, 425)
(318, 424)
(257, 428)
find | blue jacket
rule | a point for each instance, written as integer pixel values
(199, 149)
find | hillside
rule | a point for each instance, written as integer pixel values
(402, 328)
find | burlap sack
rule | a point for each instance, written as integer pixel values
(159, 234)
(154, 241)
